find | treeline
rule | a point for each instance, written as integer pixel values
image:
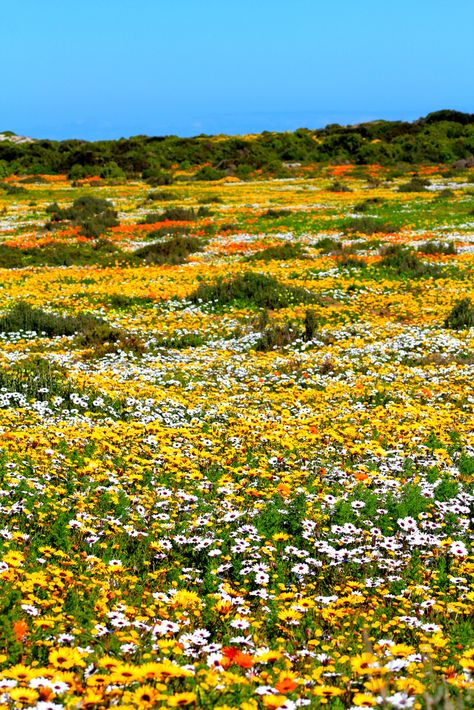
(440, 137)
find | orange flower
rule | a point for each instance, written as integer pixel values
(20, 629)
(244, 660)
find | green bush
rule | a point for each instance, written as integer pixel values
(277, 335)
(101, 253)
(404, 262)
(280, 252)
(327, 245)
(338, 186)
(209, 173)
(23, 317)
(367, 225)
(171, 251)
(210, 200)
(351, 262)
(445, 248)
(158, 178)
(161, 196)
(276, 214)
(416, 184)
(181, 214)
(92, 214)
(251, 288)
(368, 205)
(461, 315)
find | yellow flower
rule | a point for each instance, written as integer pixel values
(66, 658)
(364, 664)
(181, 699)
(273, 701)
(23, 696)
(364, 700)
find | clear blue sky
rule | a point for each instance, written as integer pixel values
(109, 68)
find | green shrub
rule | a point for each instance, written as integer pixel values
(338, 186)
(14, 189)
(23, 317)
(209, 173)
(311, 324)
(90, 331)
(182, 214)
(445, 194)
(158, 178)
(93, 214)
(210, 200)
(351, 262)
(101, 253)
(404, 262)
(368, 205)
(276, 214)
(327, 245)
(461, 315)
(446, 248)
(367, 225)
(416, 184)
(277, 335)
(171, 251)
(251, 288)
(161, 196)
(281, 252)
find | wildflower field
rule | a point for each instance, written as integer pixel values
(236, 442)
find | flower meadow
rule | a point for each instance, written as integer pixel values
(236, 442)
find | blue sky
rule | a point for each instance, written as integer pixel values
(110, 68)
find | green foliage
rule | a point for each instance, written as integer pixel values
(280, 252)
(367, 225)
(416, 184)
(326, 245)
(351, 262)
(179, 214)
(209, 173)
(251, 288)
(431, 140)
(171, 251)
(100, 253)
(368, 205)
(158, 178)
(338, 186)
(161, 196)
(445, 248)
(23, 317)
(276, 214)
(405, 262)
(93, 214)
(461, 315)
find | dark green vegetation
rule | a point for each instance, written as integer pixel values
(461, 315)
(171, 251)
(405, 262)
(277, 335)
(89, 331)
(92, 214)
(280, 252)
(440, 137)
(252, 289)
